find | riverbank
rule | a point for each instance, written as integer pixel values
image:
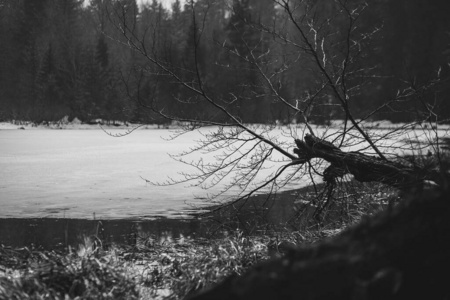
(150, 267)
(61, 233)
(292, 210)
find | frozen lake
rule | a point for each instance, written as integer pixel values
(87, 173)
(76, 173)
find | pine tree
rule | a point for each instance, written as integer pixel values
(245, 44)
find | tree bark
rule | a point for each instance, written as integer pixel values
(364, 168)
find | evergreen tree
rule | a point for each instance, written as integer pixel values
(245, 45)
(102, 52)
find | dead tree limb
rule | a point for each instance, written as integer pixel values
(364, 168)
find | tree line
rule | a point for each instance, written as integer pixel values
(68, 57)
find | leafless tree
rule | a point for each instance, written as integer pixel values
(245, 158)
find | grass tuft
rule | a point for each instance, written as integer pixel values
(52, 275)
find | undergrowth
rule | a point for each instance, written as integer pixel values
(163, 270)
(28, 274)
(167, 270)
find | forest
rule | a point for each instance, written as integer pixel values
(372, 221)
(69, 58)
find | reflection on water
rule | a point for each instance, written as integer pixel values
(260, 211)
(60, 233)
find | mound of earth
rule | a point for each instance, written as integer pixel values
(402, 253)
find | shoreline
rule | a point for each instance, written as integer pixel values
(49, 233)
(287, 195)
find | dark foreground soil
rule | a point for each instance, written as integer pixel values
(401, 253)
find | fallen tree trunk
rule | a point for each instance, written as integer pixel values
(402, 253)
(364, 168)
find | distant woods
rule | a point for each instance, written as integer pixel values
(67, 57)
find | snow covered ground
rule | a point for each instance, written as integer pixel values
(78, 173)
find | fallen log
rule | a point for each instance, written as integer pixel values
(402, 253)
(365, 168)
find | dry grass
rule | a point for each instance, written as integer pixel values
(170, 270)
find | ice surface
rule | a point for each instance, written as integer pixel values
(78, 173)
